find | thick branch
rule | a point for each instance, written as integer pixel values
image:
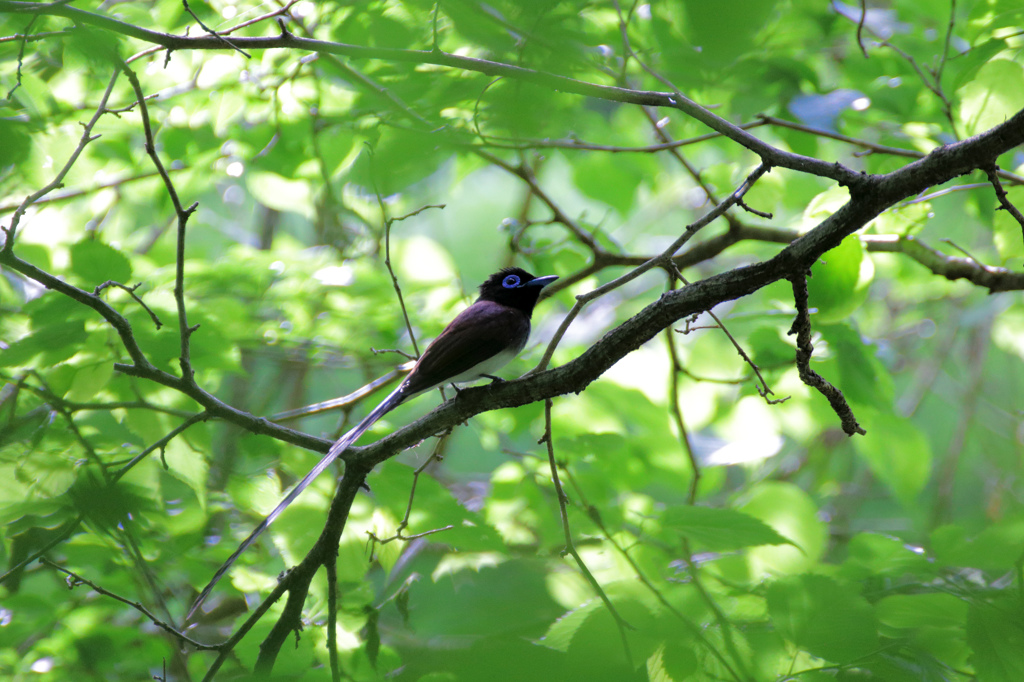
(144, 369)
(990, 277)
(951, 267)
(769, 154)
(298, 579)
(876, 194)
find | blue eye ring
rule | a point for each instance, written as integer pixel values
(510, 282)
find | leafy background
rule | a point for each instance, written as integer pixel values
(789, 552)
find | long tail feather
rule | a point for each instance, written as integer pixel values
(339, 446)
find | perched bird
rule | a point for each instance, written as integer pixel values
(480, 340)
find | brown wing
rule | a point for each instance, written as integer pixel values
(477, 334)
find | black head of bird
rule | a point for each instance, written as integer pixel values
(514, 287)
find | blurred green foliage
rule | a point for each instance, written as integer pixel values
(802, 554)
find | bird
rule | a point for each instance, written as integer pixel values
(480, 340)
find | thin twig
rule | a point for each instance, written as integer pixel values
(21, 56)
(677, 415)
(526, 174)
(74, 580)
(185, 332)
(160, 444)
(762, 389)
(695, 578)
(695, 629)
(819, 132)
(70, 527)
(51, 398)
(574, 143)
(255, 20)
(940, 193)
(961, 250)
(58, 180)
(802, 329)
(419, 210)
(90, 451)
(1004, 200)
(73, 525)
(225, 649)
(386, 223)
(760, 214)
(860, 27)
(435, 456)
(74, 193)
(33, 38)
(951, 267)
(659, 130)
(931, 83)
(946, 44)
(131, 292)
(214, 33)
(724, 624)
(661, 260)
(570, 546)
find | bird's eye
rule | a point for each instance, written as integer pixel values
(510, 282)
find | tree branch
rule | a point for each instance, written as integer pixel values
(674, 100)
(878, 193)
(802, 329)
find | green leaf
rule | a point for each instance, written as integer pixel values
(97, 48)
(826, 618)
(39, 256)
(188, 466)
(721, 529)
(823, 205)
(54, 309)
(671, 663)
(559, 635)
(286, 275)
(873, 554)
(90, 380)
(862, 377)
(612, 178)
(17, 143)
(280, 193)
(61, 340)
(966, 66)
(839, 281)
(898, 453)
(995, 94)
(768, 349)
(724, 31)
(921, 610)
(433, 507)
(399, 158)
(995, 632)
(996, 548)
(108, 505)
(103, 430)
(95, 263)
(793, 514)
